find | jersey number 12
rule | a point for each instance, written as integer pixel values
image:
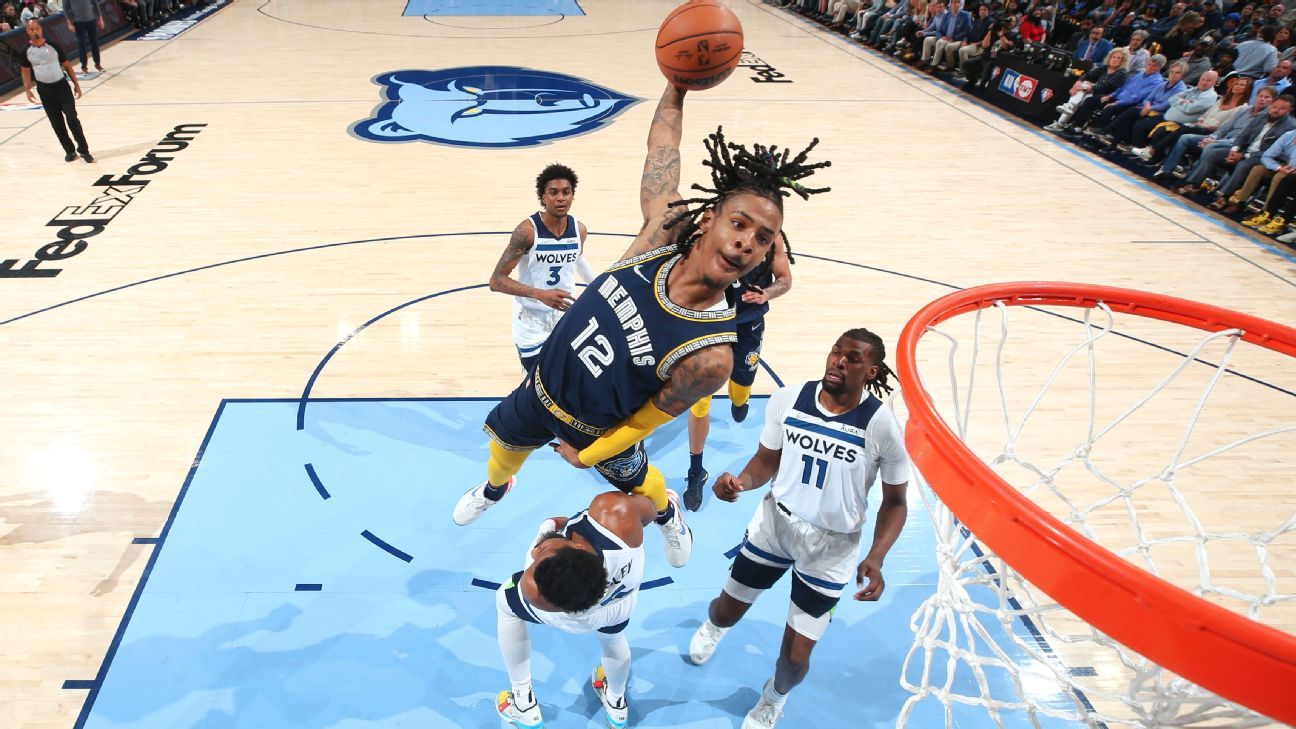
(597, 354)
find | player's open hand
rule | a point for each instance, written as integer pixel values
(569, 453)
(559, 299)
(754, 295)
(872, 571)
(727, 487)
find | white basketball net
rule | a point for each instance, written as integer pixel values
(986, 628)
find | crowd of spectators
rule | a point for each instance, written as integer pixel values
(14, 14)
(1192, 93)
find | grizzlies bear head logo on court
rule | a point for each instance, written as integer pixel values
(488, 106)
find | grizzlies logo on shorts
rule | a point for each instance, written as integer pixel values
(752, 359)
(625, 468)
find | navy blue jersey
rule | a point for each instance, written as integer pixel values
(615, 348)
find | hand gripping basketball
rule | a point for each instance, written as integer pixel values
(699, 44)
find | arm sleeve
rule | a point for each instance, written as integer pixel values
(895, 462)
(625, 434)
(772, 434)
(585, 270)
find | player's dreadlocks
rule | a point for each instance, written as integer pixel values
(877, 350)
(763, 171)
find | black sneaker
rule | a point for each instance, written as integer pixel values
(70, 157)
(693, 494)
(86, 156)
(739, 411)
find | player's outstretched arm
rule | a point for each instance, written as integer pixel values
(891, 518)
(758, 471)
(661, 174)
(501, 280)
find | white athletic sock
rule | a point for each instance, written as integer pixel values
(514, 644)
(523, 696)
(772, 695)
(616, 664)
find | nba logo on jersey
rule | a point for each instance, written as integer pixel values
(488, 106)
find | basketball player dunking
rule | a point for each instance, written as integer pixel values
(652, 336)
(548, 250)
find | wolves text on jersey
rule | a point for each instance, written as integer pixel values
(821, 446)
(564, 257)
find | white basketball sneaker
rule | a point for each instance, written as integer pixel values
(474, 503)
(679, 539)
(618, 716)
(704, 642)
(528, 718)
(764, 715)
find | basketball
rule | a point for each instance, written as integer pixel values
(699, 45)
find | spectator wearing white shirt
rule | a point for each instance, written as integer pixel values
(1185, 108)
(1136, 52)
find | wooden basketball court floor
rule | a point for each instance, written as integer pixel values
(212, 312)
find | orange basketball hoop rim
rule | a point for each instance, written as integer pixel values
(1235, 657)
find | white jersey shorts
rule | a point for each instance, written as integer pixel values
(822, 562)
(531, 328)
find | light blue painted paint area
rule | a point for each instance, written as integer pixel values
(222, 637)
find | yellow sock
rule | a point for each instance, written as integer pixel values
(702, 407)
(739, 394)
(654, 487)
(503, 463)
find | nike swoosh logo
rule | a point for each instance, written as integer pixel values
(640, 273)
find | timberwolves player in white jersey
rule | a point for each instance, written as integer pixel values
(548, 251)
(824, 444)
(582, 575)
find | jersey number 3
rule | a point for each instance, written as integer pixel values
(597, 354)
(554, 276)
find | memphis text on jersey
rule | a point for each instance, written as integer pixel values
(76, 224)
(627, 313)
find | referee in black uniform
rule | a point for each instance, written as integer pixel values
(46, 64)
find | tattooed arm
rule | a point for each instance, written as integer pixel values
(661, 174)
(694, 377)
(519, 244)
(782, 270)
